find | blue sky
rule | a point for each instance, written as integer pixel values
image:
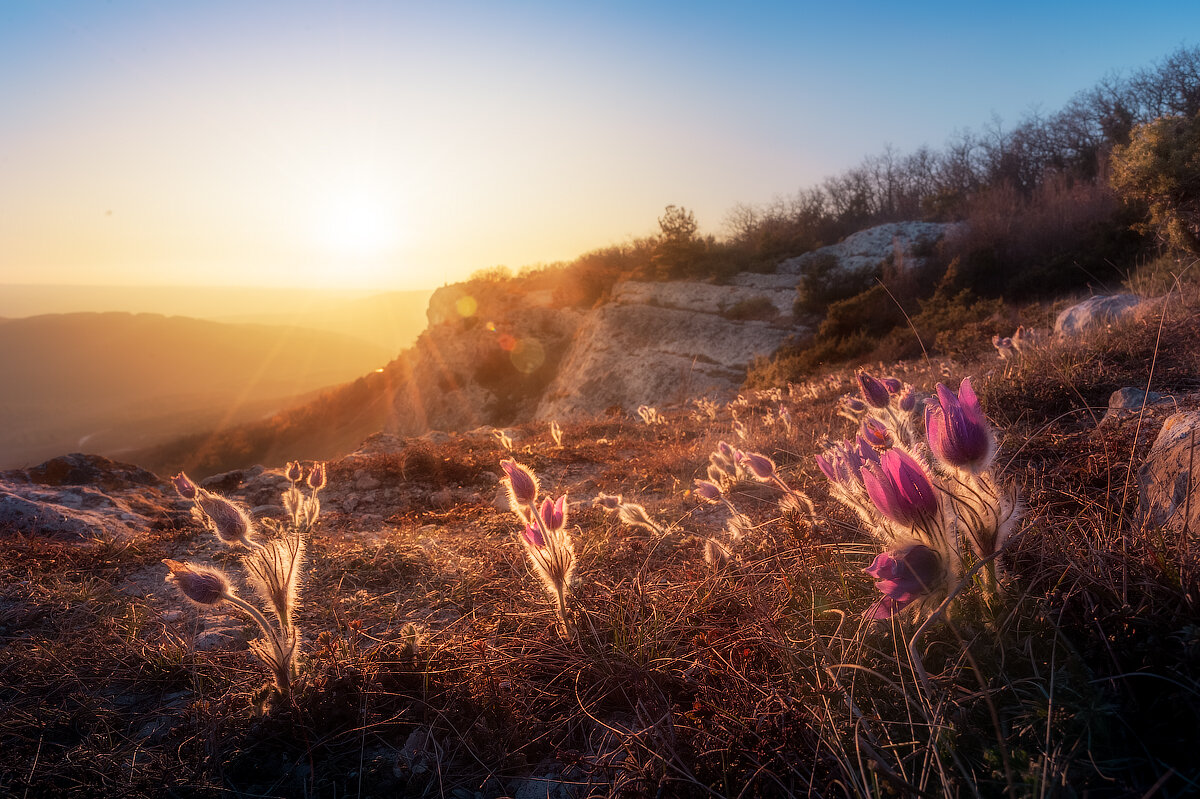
(404, 145)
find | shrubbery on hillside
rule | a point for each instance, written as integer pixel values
(1160, 169)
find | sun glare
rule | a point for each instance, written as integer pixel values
(358, 226)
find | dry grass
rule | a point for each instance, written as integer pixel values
(758, 679)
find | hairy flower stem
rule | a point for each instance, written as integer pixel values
(560, 588)
(283, 657)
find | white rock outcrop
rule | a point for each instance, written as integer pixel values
(653, 343)
(865, 250)
(1095, 313)
(1167, 483)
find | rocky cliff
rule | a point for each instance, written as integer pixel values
(493, 354)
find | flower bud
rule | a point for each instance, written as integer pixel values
(200, 584)
(185, 487)
(607, 501)
(522, 484)
(762, 467)
(316, 478)
(229, 522)
(293, 472)
(708, 491)
(873, 391)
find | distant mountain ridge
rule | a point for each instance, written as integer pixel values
(390, 319)
(111, 382)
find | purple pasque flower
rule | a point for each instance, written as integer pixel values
(316, 478)
(892, 384)
(554, 513)
(853, 404)
(874, 391)
(865, 452)
(900, 488)
(958, 433)
(908, 400)
(183, 484)
(875, 433)
(522, 484)
(904, 575)
(294, 472)
(534, 536)
(708, 491)
(762, 467)
(841, 463)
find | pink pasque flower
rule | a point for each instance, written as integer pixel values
(522, 485)
(183, 484)
(554, 513)
(875, 392)
(904, 575)
(534, 536)
(958, 433)
(900, 488)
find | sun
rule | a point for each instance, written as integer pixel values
(358, 226)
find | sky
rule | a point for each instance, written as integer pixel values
(398, 145)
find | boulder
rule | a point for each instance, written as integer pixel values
(868, 249)
(1095, 313)
(1166, 479)
(1126, 402)
(80, 497)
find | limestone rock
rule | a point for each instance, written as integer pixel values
(79, 497)
(629, 355)
(1095, 313)
(494, 356)
(867, 249)
(1128, 401)
(707, 298)
(1166, 479)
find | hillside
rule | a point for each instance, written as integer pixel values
(761, 671)
(110, 382)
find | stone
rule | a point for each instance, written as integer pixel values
(78, 469)
(366, 483)
(1166, 482)
(1095, 313)
(1125, 402)
(867, 249)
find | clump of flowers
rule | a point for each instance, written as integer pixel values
(544, 537)
(728, 465)
(705, 409)
(933, 503)
(650, 415)
(274, 566)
